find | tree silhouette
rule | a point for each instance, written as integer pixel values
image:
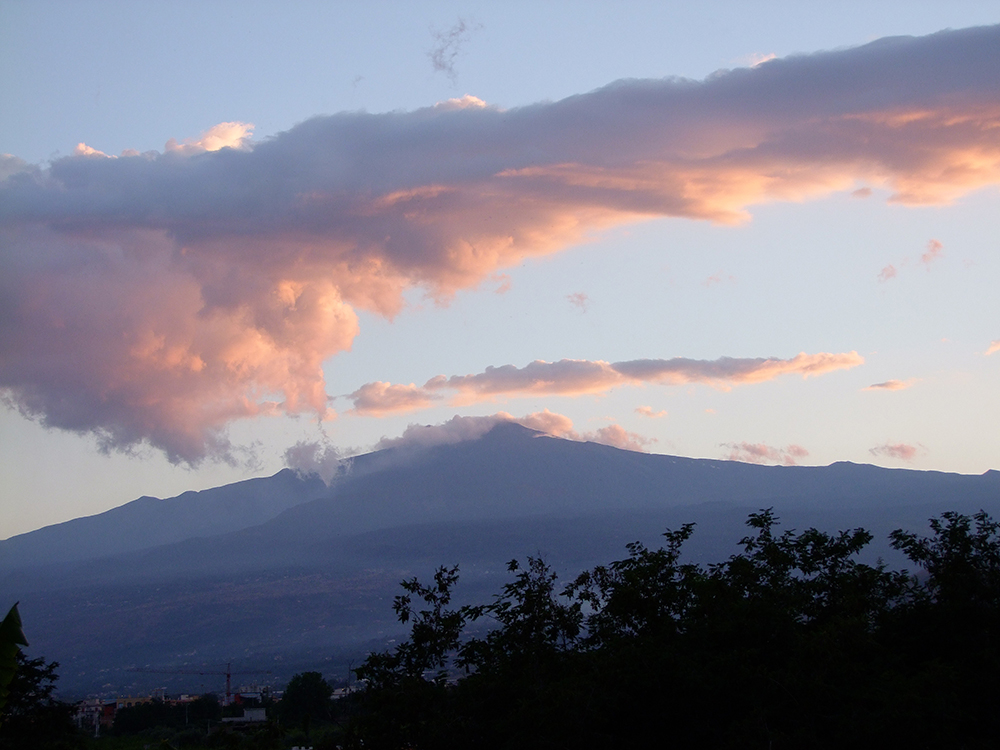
(789, 643)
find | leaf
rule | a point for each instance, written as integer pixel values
(11, 637)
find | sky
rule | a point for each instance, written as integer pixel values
(236, 237)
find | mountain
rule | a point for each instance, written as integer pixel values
(304, 578)
(151, 522)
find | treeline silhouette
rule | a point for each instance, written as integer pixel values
(791, 643)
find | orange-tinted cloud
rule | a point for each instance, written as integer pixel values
(647, 411)
(378, 399)
(900, 451)
(759, 453)
(993, 347)
(890, 385)
(577, 377)
(254, 256)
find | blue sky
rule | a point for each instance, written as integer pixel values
(901, 294)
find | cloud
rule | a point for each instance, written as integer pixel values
(993, 347)
(82, 149)
(933, 252)
(378, 398)
(155, 297)
(891, 385)
(322, 459)
(576, 377)
(504, 284)
(718, 278)
(459, 429)
(448, 45)
(759, 453)
(889, 272)
(647, 411)
(901, 451)
(224, 135)
(579, 299)
(759, 58)
(618, 437)
(864, 192)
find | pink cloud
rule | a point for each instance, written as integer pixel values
(717, 278)
(889, 272)
(154, 298)
(378, 399)
(647, 411)
(900, 451)
(618, 437)
(933, 252)
(890, 385)
(576, 377)
(579, 299)
(504, 284)
(864, 192)
(993, 347)
(759, 453)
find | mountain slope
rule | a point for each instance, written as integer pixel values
(152, 522)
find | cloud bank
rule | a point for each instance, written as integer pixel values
(576, 377)
(153, 298)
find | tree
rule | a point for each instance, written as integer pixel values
(306, 700)
(791, 642)
(33, 717)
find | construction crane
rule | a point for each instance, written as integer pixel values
(228, 674)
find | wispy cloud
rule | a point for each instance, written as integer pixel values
(448, 46)
(718, 278)
(647, 411)
(579, 300)
(759, 453)
(889, 272)
(154, 298)
(891, 385)
(575, 377)
(320, 458)
(993, 347)
(901, 451)
(932, 253)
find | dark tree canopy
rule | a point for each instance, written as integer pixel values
(790, 643)
(32, 717)
(306, 700)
